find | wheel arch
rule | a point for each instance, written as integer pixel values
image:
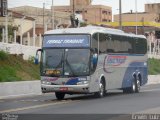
(102, 78)
(139, 77)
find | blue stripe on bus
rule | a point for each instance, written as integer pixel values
(135, 67)
(72, 81)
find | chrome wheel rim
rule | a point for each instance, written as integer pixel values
(133, 86)
(138, 85)
(101, 91)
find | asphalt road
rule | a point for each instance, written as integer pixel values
(86, 106)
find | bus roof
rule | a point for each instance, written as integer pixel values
(92, 30)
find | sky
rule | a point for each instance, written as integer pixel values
(127, 5)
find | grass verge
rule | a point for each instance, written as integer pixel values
(14, 68)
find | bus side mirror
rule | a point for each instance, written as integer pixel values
(36, 58)
(95, 58)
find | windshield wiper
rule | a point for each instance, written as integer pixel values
(60, 63)
(73, 74)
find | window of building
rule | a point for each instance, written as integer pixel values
(104, 20)
(78, 12)
(104, 12)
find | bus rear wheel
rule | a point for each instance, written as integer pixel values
(59, 96)
(135, 87)
(138, 86)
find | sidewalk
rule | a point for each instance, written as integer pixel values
(24, 88)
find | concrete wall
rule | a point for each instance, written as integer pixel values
(19, 49)
(11, 89)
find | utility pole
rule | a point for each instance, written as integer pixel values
(52, 15)
(21, 30)
(34, 32)
(136, 15)
(6, 27)
(120, 15)
(73, 9)
(73, 14)
(43, 17)
(3, 34)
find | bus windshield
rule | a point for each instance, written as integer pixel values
(65, 62)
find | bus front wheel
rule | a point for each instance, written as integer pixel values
(59, 96)
(101, 92)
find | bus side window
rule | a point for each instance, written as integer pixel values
(94, 42)
(102, 43)
(140, 45)
(110, 51)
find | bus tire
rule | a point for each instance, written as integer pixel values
(59, 95)
(132, 89)
(138, 86)
(101, 93)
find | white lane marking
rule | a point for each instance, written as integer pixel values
(150, 111)
(34, 107)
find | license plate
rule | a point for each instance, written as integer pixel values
(63, 89)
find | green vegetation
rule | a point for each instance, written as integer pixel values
(14, 68)
(3, 55)
(154, 66)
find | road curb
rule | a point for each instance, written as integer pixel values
(27, 88)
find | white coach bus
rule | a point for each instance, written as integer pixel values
(92, 60)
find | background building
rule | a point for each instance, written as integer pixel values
(18, 25)
(90, 13)
(151, 14)
(146, 23)
(44, 17)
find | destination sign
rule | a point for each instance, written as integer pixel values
(66, 41)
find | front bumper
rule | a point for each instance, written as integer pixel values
(65, 88)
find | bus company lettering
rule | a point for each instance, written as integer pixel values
(115, 60)
(67, 41)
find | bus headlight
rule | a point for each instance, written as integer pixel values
(82, 82)
(46, 82)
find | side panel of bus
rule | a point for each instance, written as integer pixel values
(120, 60)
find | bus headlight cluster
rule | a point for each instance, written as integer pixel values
(46, 82)
(82, 82)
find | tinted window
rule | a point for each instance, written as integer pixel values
(94, 42)
(140, 46)
(109, 43)
(102, 43)
(119, 44)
